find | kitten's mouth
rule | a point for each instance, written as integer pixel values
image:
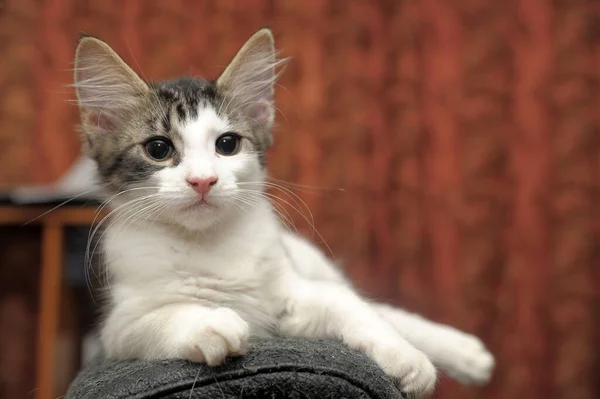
(199, 203)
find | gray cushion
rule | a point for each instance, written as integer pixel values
(273, 369)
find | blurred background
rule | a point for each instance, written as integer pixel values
(449, 151)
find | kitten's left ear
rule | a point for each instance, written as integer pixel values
(250, 78)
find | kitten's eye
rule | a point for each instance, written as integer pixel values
(228, 144)
(159, 149)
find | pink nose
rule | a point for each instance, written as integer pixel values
(202, 185)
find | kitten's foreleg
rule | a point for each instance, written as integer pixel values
(461, 355)
(324, 310)
(175, 331)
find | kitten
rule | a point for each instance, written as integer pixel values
(198, 260)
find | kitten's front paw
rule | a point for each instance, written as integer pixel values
(220, 333)
(411, 370)
(468, 361)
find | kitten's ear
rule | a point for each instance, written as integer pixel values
(107, 88)
(251, 76)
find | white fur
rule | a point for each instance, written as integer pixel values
(196, 283)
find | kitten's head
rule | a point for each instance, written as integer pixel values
(189, 149)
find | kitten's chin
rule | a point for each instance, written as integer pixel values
(196, 220)
(200, 214)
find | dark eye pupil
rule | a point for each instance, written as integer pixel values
(158, 149)
(227, 144)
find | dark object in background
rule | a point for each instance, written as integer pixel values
(274, 369)
(19, 274)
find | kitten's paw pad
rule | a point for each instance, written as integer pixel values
(472, 362)
(412, 371)
(221, 333)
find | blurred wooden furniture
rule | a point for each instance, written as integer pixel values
(53, 223)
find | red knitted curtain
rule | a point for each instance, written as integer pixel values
(448, 150)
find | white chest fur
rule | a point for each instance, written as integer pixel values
(158, 265)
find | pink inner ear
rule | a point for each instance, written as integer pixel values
(260, 112)
(100, 122)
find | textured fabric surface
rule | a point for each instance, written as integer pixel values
(273, 369)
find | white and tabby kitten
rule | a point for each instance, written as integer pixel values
(198, 260)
